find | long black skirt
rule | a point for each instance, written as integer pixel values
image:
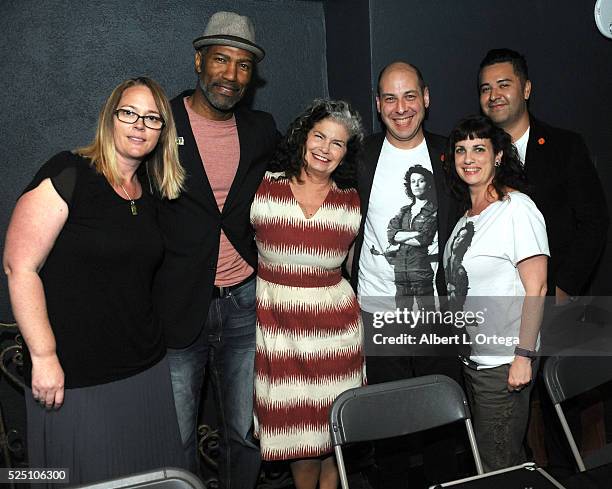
(109, 430)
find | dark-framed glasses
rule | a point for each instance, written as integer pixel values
(130, 117)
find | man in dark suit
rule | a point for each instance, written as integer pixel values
(565, 187)
(206, 287)
(390, 185)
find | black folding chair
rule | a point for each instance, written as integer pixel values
(167, 478)
(527, 475)
(567, 377)
(397, 408)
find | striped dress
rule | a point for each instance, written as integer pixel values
(309, 333)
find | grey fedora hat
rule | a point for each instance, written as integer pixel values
(230, 29)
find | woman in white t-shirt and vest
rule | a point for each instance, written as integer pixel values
(495, 263)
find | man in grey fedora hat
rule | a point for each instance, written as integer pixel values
(205, 287)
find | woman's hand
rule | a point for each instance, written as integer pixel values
(48, 381)
(520, 373)
(561, 297)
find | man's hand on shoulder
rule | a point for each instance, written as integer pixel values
(561, 297)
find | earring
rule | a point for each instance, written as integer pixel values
(497, 162)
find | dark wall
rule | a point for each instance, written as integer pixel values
(60, 60)
(570, 64)
(349, 64)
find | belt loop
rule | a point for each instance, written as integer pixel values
(226, 290)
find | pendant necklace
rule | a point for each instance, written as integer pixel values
(132, 203)
(306, 212)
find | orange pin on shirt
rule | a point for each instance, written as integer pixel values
(541, 141)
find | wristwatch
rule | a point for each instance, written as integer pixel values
(522, 352)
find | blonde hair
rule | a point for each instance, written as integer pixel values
(162, 163)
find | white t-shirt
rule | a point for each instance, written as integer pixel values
(480, 264)
(391, 210)
(521, 145)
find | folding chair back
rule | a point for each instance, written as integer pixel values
(566, 377)
(167, 478)
(398, 408)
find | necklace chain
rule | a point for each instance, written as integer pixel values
(132, 203)
(303, 206)
(306, 211)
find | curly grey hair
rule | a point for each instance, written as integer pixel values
(290, 154)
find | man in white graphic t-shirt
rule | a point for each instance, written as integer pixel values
(407, 216)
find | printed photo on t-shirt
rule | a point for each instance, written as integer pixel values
(410, 233)
(457, 279)
(399, 255)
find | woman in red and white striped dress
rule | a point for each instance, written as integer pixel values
(309, 332)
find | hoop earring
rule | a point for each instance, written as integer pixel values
(497, 163)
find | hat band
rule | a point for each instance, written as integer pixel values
(224, 37)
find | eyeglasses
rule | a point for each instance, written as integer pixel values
(131, 117)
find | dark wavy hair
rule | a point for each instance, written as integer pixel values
(289, 156)
(429, 180)
(509, 174)
(463, 246)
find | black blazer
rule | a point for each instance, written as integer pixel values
(447, 207)
(565, 187)
(191, 225)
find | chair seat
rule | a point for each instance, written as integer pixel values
(166, 478)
